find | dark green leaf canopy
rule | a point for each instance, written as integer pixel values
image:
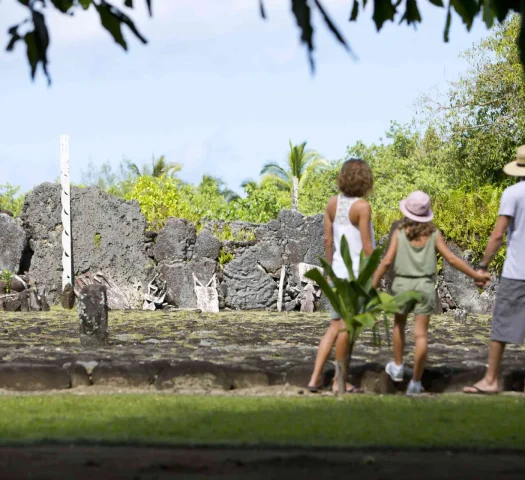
(113, 18)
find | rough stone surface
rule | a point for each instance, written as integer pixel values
(247, 285)
(175, 242)
(197, 351)
(13, 240)
(33, 377)
(121, 375)
(93, 314)
(108, 235)
(68, 297)
(463, 292)
(207, 245)
(12, 305)
(179, 285)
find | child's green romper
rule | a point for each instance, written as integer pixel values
(415, 269)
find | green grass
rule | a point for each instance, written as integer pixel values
(452, 421)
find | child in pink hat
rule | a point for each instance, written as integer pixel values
(412, 251)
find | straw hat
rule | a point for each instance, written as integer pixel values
(417, 207)
(517, 167)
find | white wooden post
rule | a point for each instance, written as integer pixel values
(67, 264)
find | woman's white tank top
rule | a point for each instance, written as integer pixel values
(343, 226)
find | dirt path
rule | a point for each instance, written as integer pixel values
(143, 463)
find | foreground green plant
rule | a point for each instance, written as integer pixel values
(358, 302)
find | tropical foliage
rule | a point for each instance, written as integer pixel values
(357, 301)
(10, 199)
(301, 164)
(159, 168)
(455, 152)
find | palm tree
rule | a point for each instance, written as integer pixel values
(301, 163)
(249, 183)
(217, 185)
(159, 168)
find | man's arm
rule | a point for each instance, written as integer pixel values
(495, 240)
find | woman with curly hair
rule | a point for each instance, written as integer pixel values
(412, 251)
(347, 214)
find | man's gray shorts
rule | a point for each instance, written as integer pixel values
(508, 324)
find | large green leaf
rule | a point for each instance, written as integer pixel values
(347, 258)
(367, 272)
(336, 281)
(318, 277)
(366, 320)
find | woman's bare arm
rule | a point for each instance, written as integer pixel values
(364, 223)
(387, 261)
(328, 230)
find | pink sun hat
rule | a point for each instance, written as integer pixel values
(417, 207)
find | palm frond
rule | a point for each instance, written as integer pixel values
(275, 170)
(277, 181)
(134, 169)
(315, 165)
(249, 182)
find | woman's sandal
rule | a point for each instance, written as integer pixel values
(315, 388)
(355, 389)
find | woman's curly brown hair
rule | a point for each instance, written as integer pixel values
(355, 178)
(416, 230)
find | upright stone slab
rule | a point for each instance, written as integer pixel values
(13, 240)
(93, 314)
(68, 297)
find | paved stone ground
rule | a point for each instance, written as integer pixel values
(230, 350)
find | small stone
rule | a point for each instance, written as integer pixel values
(153, 341)
(24, 301)
(12, 305)
(93, 314)
(68, 297)
(16, 285)
(34, 302)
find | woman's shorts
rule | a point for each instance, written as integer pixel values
(425, 286)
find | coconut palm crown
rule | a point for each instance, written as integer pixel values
(300, 164)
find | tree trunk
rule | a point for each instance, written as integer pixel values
(295, 193)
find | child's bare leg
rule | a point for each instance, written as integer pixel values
(421, 341)
(398, 338)
(323, 352)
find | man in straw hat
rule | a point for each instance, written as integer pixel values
(508, 323)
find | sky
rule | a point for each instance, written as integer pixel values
(216, 88)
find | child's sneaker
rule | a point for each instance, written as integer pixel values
(395, 372)
(415, 388)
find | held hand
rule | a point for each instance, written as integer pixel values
(482, 278)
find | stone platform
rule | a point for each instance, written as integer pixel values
(231, 350)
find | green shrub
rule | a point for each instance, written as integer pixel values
(225, 257)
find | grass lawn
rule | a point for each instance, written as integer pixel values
(391, 421)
